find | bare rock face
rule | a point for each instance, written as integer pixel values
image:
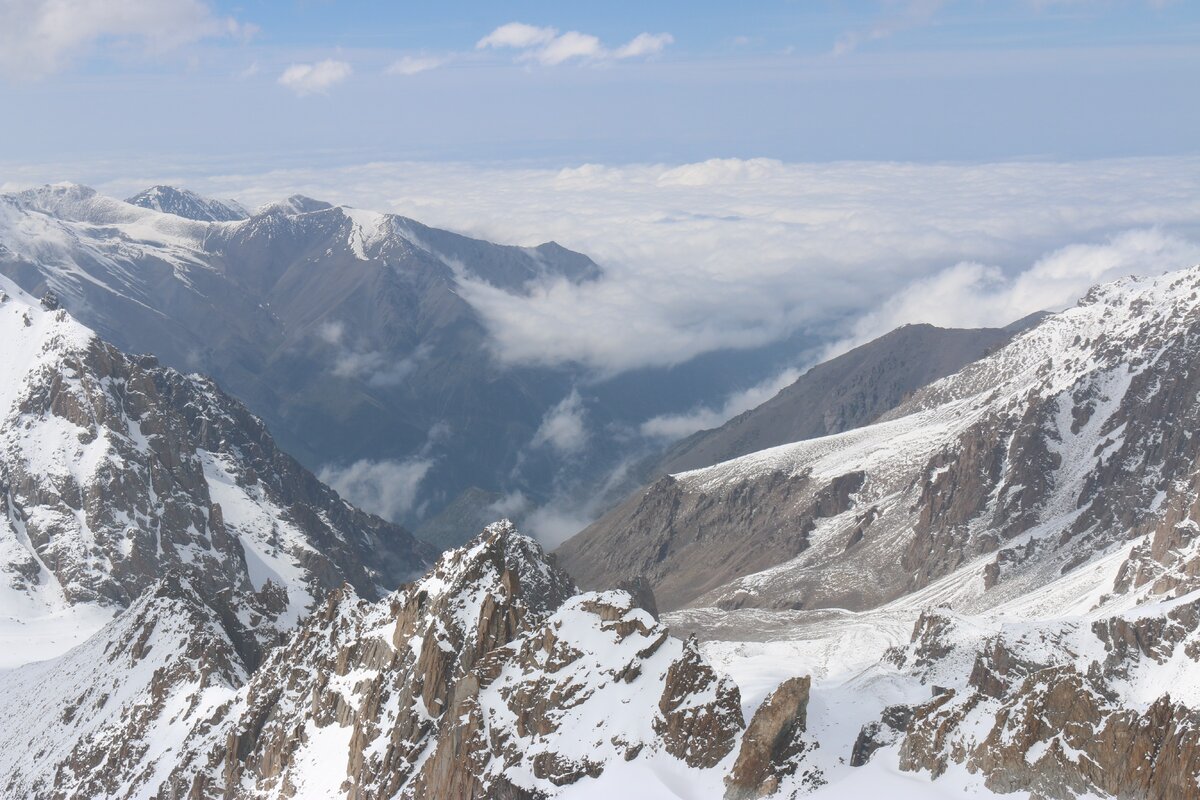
(103, 720)
(488, 678)
(1050, 709)
(115, 471)
(772, 743)
(1079, 428)
(887, 730)
(701, 735)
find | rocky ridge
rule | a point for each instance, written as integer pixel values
(114, 471)
(489, 677)
(1068, 443)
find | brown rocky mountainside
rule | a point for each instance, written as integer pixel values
(490, 677)
(1069, 441)
(845, 392)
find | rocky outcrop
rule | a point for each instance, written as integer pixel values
(115, 470)
(488, 678)
(699, 734)
(884, 732)
(773, 743)
(1051, 709)
(105, 719)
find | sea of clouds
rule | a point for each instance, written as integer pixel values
(738, 253)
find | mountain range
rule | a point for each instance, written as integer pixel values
(348, 333)
(946, 562)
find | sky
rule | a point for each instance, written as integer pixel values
(320, 82)
(742, 172)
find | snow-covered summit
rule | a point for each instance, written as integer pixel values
(188, 204)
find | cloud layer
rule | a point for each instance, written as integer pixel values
(387, 488)
(737, 253)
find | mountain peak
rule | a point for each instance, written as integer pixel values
(294, 205)
(187, 204)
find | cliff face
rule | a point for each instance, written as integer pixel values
(489, 677)
(1071, 440)
(1063, 710)
(115, 471)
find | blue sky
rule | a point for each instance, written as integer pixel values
(914, 80)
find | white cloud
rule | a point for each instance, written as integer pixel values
(644, 44)
(39, 37)
(571, 44)
(315, 78)
(414, 65)
(510, 506)
(517, 34)
(675, 426)
(547, 46)
(553, 525)
(357, 361)
(971, 294)
(737, 253)
(564, 428)
(387, 488)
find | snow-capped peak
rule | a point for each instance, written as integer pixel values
(294, 205)
(188, 204)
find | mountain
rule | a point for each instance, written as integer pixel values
(1060, 447)
(845, 392)
(115, 470)
(994, 591)
(108, 716)
(189, 205)
(348, 332)
(489, 677)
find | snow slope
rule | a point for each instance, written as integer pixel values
(114, 470)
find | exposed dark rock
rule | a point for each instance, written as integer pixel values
(772, 745)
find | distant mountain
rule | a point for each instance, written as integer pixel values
(348, 333)
(845, 392)
(114, 471)
(1056, 449)
(183, 203)
(471, 510)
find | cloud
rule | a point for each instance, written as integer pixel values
(549, 47)
(40, 37)
(387, 488)
(517, 34)
(675, 426)
(315, 78)
(553, 525)
(738, 253)
(564, 427)
(414, 65)
(571, 44)
(644, 44)
(976, 295)
(510, 506)
(360, 362)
